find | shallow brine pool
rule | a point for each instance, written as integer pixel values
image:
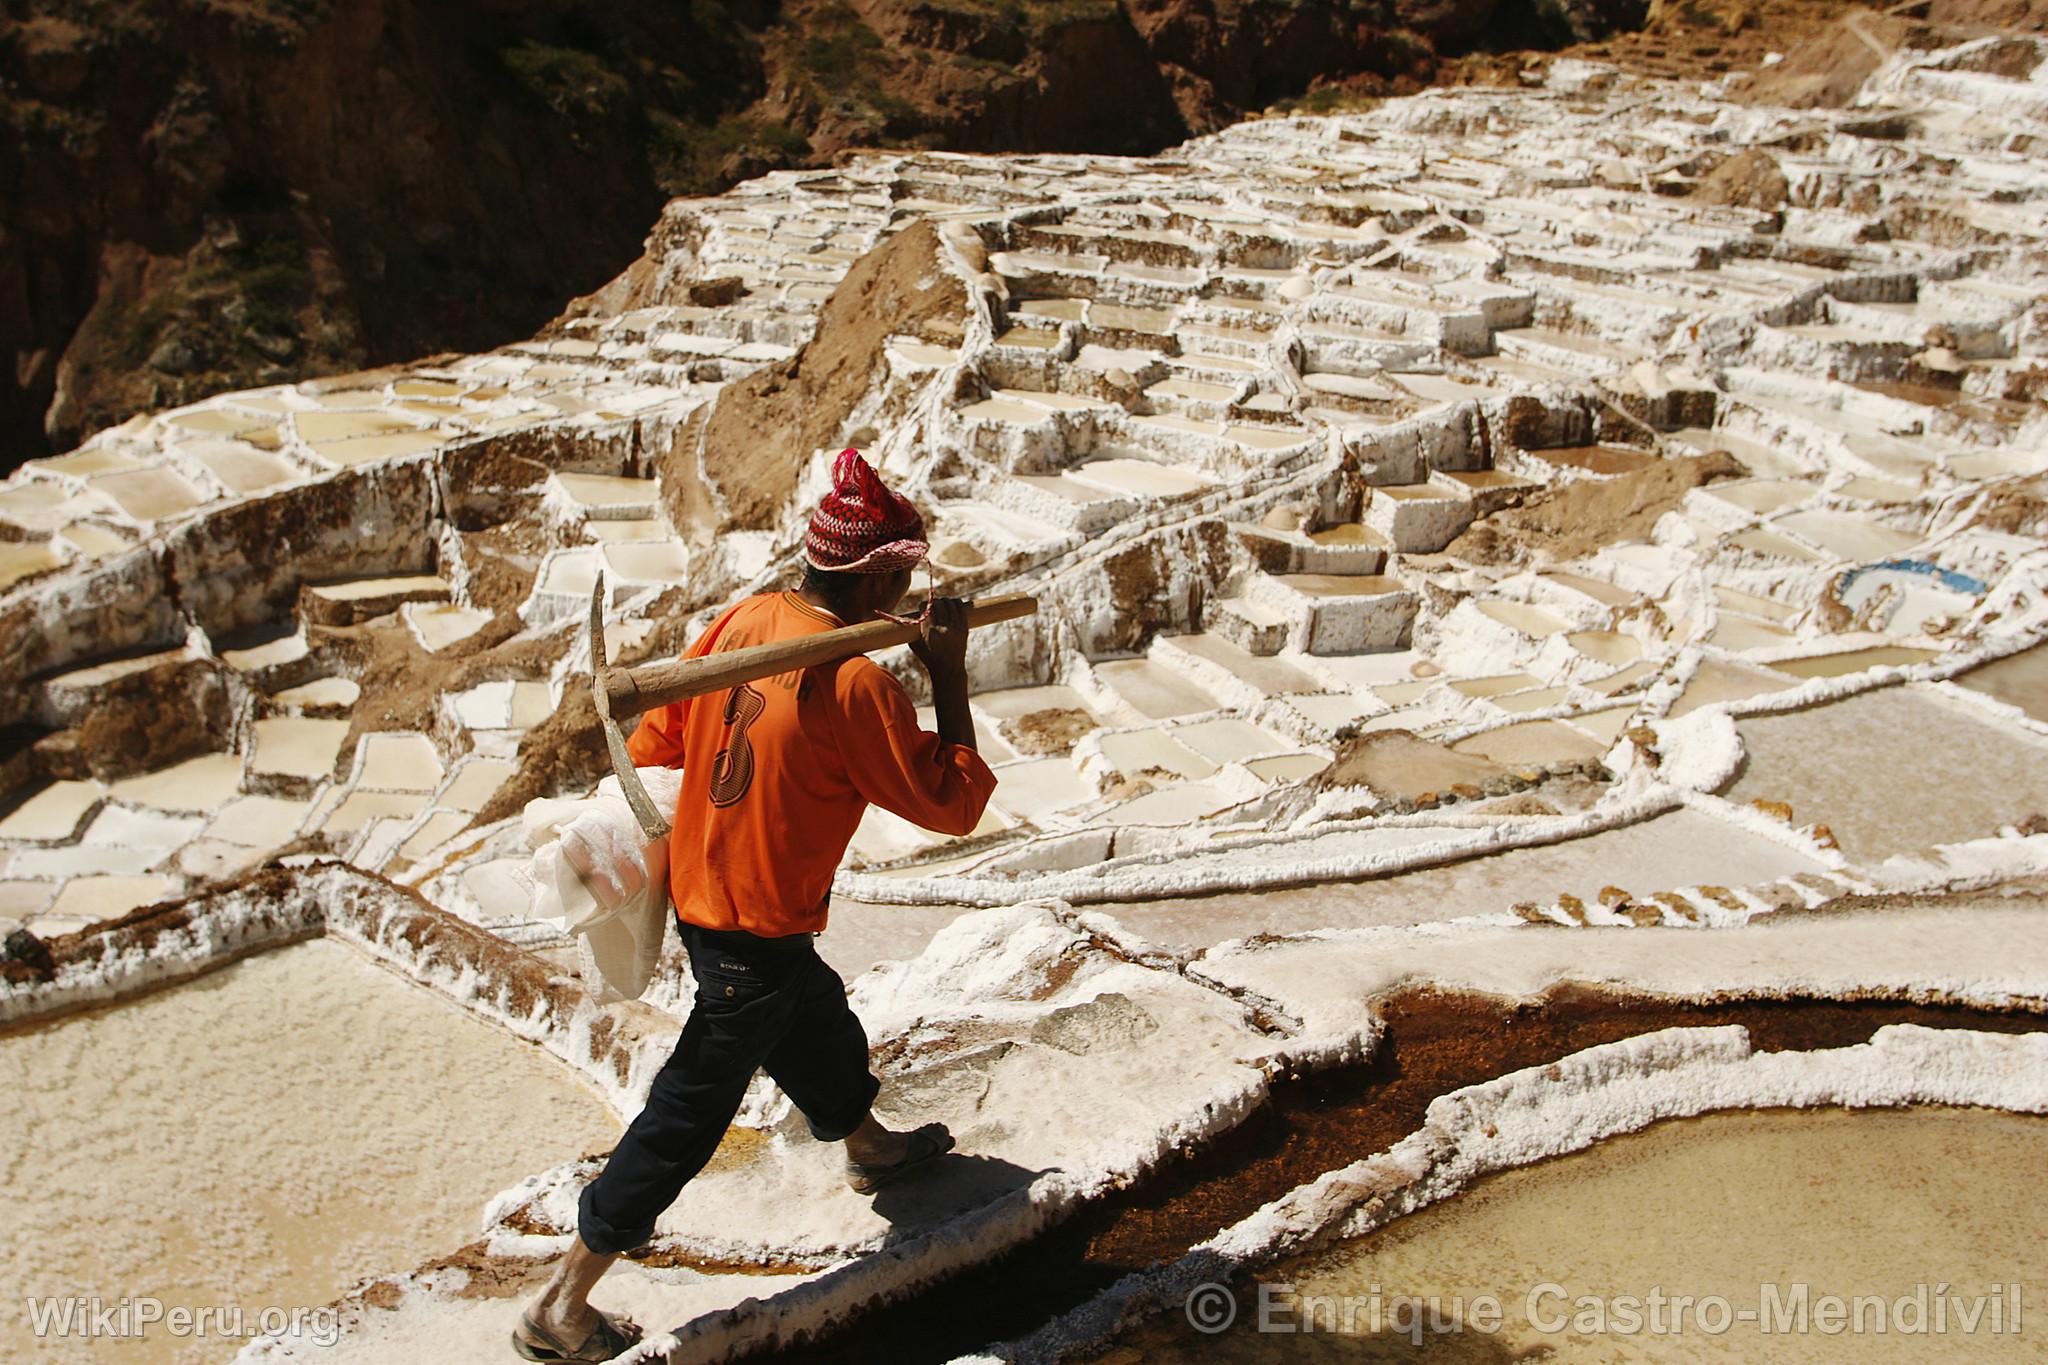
(265, 1135)
(1780, 1227)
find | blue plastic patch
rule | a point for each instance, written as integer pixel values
(1948, 578)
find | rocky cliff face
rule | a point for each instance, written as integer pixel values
(204, 196)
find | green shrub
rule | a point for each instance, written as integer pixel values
(573, 83)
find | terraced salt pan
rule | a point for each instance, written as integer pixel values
(323, 1079)
(1035, 789)
(437, 625)
(1178, 805)
(296, 746)
(607, 497)
(398, 762)
(1609, 647)
(1152, 690)
(1715, 681)
(19, 561)
(1893, 771)
(150, 494)
(52, 813)
(360, 808)
(1848, 1202)
(81, 859)
(1770, 609)
(1623, 679)
(258, 821)
(1853, 661)
(197, 784)
(1683, 848)
(321, 692)
(1847, 537)
(474, 783)
(1535, 699)
(1740, 635)
(1493, 686)
(1539, 742)
(1770, 543)
(1138, 751)
(399, 587)
(504, 705)
(271, 653)
(88, 900)
(1531, 621)
(1284, 768)
(2018, 680)
(1228, 740)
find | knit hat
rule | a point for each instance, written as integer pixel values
(861, 526)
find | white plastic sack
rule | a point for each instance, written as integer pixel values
(602, 880)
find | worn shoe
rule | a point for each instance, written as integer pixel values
(611, 1337)
(927, 1144)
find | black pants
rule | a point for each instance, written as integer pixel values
(762, 1004)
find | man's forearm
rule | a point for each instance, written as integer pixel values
(949, 702)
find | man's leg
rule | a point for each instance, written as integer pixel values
(822, 1065)
(563, 1308)
(737, 1019)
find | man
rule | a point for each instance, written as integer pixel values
(776, 776)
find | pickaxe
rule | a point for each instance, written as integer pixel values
(623, 693)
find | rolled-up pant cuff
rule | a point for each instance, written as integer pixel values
(839, 1125)
(600, 1236)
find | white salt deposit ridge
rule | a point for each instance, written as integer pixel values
(1233, 415)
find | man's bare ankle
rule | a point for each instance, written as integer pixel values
(570, 1322)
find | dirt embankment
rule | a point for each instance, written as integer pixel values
(1825, 65)
(1575, 519)
(1804, 54)
(736, 463)
(230, 195)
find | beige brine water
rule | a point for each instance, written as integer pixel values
(1586, 1255)
(262, 1136)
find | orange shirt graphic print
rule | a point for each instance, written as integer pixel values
(732, 771)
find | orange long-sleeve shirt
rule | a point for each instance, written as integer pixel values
(777, 773)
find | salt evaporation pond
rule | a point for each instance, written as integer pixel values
(264, 1135)
(1893, 771)
(2018, 680)
(1847, 1202)
(1683, 848)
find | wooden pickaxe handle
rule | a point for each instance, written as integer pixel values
(630, 691)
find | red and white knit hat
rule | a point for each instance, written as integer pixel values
(862, 526)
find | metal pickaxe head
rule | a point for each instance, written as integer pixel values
(653, 823)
